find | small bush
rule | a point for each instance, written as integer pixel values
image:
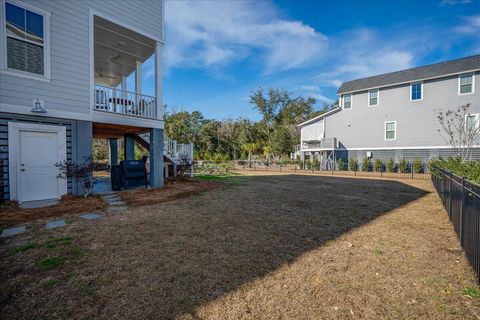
(366, 164)
(315, 163)
(417, 166)
(468, 169)
(403, 166)
(340, 164)
(378, 166)
(391, 166)
(352, 164)
(308, 164)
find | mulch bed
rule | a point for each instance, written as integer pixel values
(12, 214)
(172, 190)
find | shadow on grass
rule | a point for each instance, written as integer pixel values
(165, 264)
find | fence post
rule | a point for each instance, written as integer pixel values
(450, 196)
(462, 213)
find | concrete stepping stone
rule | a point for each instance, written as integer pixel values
(90, 216)
(110, 196)
(117, 203)
(116, 209)
(55, 224)
(12, 231)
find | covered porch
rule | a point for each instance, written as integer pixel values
(113, 144)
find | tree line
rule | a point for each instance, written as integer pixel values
(274, 135)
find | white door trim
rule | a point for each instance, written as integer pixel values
(14, 129)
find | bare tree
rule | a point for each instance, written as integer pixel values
(462, 130)
(82, 173)
(183, 167)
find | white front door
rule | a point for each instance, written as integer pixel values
(38, 148)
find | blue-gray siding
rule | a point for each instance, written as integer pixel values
(69, 89)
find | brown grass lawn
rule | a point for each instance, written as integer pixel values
(12, 214)
(261, 247)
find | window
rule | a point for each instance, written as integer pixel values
(373, 97)
(390, 130)
(347, 101)
(466, 84)
(416, 91)
(25, 40)
(473, 122)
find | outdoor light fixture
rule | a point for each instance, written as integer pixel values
(38, 107)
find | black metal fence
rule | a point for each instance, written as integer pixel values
(461, 199)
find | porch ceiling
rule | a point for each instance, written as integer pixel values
(116, 51)
(106, 130)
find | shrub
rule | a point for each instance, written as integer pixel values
(403, 166)
(340, 164)
(467, 169)
(315, 163)
(352, 164)
(391, 165)
(378, 166)
(308, 164)
(366, 164)
(417, 166)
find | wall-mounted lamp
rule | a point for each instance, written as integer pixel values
(38, 106)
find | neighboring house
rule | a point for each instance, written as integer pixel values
(394, 115)
(63, 80)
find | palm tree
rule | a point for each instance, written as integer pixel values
(250, 148)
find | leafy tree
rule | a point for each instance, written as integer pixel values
(352, 164)
(378, 165)
(250, 148)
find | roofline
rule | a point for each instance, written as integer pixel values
(405, 82)
(319, 117)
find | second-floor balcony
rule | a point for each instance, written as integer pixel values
(125, 71)
(108, 99)
(322, 144)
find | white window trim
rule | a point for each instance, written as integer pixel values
(378, 97)
(477, 119)
(46, 42)
(473, 83)
(351, 101)
(421, 90)
(385, 130)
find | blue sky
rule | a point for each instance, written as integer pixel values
(218, 52)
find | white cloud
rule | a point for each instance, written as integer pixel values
(214, 33)
(470, 25)
(454, 2)
(320, 98)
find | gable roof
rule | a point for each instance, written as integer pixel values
(337, 108)
(414, 74)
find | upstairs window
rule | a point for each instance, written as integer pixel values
(473, 123)
(390, 130)
(466, 84)
(25, 43)
(347, 101)
(416, 91)
(373, 97)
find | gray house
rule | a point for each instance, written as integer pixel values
(394, 115)
(63, 81)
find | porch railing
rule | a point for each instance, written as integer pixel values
(178, 150)
(325, 143)
(118, 101)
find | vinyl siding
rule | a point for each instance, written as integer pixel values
(417, 123)
(69, 89)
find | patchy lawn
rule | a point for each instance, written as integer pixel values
(12, 214)
(172, 190)
(265, 247)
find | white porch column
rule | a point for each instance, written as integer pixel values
(159, 79)
(138, 77)
(124, 94)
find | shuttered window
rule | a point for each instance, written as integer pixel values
(25, 40)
